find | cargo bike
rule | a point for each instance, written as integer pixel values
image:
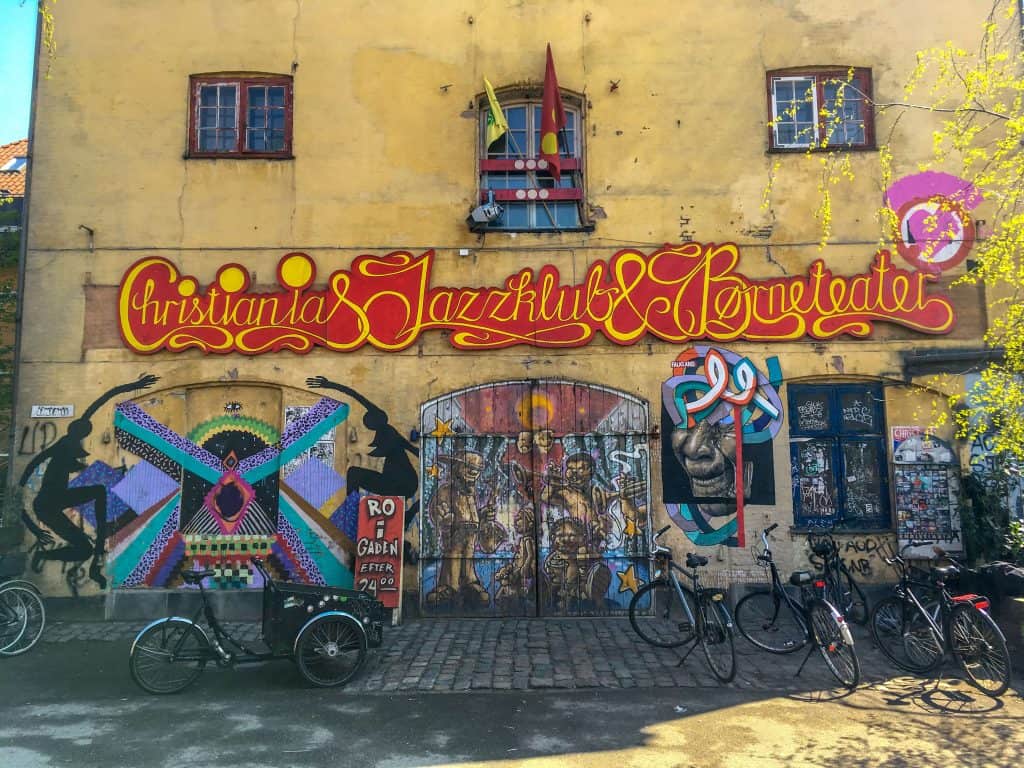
(325, 630)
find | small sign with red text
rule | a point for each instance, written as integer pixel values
(379, 548)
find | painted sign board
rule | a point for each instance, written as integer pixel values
(678, 293)
(379, 542)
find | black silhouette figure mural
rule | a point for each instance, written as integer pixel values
(66, 457)
(398, 476)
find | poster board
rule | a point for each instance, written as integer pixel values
(926, 477)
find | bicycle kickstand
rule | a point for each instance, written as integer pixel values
(804, 662)
(692, 648)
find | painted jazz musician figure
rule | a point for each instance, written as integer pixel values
(398, 477)
(65, 457)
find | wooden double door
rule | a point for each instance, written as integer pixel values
(535, 500)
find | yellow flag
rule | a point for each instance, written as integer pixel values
(496, 123)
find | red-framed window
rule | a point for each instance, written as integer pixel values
(820, 108)
(240, 116)
(514, 174)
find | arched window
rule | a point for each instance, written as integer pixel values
(513, 174)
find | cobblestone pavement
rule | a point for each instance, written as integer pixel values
(440, 655)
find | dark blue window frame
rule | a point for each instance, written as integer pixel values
(829, 426)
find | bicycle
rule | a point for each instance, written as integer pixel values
(841, 589)
(22, 616)
(916, 635)
(775, 621)
(667, 614)
(325, 630)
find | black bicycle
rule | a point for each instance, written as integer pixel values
(777, 622)
(669, 615)
(922, 621)
(326, 630)
(841, 589)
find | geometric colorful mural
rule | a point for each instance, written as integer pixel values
(213, 499)
(719, 415)
(535, 500)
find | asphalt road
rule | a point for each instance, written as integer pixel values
(74, 704)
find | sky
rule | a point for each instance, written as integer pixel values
(17, 44)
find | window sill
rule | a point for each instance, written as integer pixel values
(235, 156)
(819, 150)
(804, 530)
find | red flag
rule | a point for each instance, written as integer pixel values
(552, 119)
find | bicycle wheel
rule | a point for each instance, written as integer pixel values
(22, 583)
(833, 639)
(716, 640)
(659, 618)
(980, 648)
(849, 598)
(33, 619)
(12, 619)
(770, 622)
(330, 650)
(902, 633)
(168, 656)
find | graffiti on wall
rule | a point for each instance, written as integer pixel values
(234, 486)
(934, 230)
(678, 294)
(61, 538)
(864, 556)
(535, 500)
(719, 416)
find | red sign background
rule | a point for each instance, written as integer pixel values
(379, 540)
(678, 294)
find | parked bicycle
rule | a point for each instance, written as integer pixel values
(325, 630)
(922, 621)
(669, 615)
(775, 621)
(22, 615)
(841, 589)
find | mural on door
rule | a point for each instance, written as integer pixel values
(236, 486)
(719, 415)
(535, 500)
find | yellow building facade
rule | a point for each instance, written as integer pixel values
(274, 267)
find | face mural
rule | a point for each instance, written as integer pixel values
(535, 500)
(719, 415)
(234, 486)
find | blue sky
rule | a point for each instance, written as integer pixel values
(17, 42)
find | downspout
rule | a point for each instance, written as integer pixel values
(22, 258)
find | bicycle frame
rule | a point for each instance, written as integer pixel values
(778, 588)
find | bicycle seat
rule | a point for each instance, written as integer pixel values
(695, 561)
(800, 578)
(944, 572)
(822, 549)
(194, 577)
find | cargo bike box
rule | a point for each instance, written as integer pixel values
(289, 608)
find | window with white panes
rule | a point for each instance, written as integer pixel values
(816, 109)
(517, 178)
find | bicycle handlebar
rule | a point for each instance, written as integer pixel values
(662, 531)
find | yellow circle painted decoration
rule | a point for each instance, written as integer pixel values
(532, 409)
(549, 144)
(187, 287)
(231, 279)
(296, 271)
